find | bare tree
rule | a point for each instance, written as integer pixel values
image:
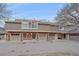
(69, 13)
(4, 12)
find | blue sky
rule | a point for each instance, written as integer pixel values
(35, 10)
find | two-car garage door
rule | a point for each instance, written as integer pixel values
(15, 37)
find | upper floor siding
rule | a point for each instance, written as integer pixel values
(40, 27)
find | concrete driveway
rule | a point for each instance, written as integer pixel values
(28, 47)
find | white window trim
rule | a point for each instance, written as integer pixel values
(28, 25)
(25, 23)
(36, 27)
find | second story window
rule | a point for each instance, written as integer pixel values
(29, 25)
(25, 25)
(34, 25)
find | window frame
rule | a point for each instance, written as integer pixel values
(25, 23)
(29, 26)
(36, 24)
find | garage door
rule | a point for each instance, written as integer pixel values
(51, 36)
(42, 36)
(15, 37)
(74, 37)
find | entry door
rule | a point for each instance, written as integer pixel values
(33, 35)
(29, 36)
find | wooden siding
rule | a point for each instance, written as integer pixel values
(43, 27)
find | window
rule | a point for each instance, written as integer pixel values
(14, 34)
(34, 25)
(25, 25)
(29, 25)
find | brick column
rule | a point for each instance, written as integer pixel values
(67, 36)
(21, 34)
(36, 36)
(47, 36)
(8, 36)
(56, 36)
(31, 36)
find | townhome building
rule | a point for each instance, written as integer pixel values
(23, 30)
(20, 30)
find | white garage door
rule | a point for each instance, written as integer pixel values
(51, 36)
(42, 36)
(74, 37)
(15, 37)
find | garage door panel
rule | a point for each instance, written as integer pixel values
(42, 36)
(74, 38)
(51, 37)
(15, 37)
